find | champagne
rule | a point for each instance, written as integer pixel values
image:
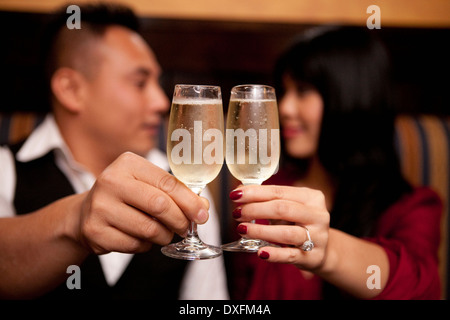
(195, 140)
(253, 139)
(195, 155)
(252, 144)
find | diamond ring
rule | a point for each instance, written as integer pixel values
(308, 245)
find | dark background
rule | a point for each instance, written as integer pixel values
(227, 54)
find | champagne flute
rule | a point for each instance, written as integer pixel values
(252, 144)
(195, 153)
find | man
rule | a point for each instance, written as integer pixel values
(78, 191)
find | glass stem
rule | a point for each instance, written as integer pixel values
(192, 232)
(192, 235)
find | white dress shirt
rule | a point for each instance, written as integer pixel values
(204, 279)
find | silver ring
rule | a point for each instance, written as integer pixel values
(308, 245)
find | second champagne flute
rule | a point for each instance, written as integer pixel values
(195, 154)
(252, 143)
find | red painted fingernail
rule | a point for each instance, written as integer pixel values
(264, 255)
(237, 213)
(235, 194)
(242, 229)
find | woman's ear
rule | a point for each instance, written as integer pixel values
(68, 88)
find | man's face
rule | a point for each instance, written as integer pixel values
(125, 102)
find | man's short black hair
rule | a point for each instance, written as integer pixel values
(94, 19)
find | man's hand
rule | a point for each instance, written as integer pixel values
(134, 204)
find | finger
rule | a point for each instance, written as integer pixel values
(279, 210)
(155, 203)
(272, 192)
(110, 239)
(205, 202)
(139, 225)
(141, 169)
(282, 234)
(283, 255)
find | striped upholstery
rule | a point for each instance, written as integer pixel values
(17, 126)
(423, 143)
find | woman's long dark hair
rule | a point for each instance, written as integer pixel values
(349, 67)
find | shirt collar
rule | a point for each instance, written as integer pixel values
(44, 138)
(47, 137)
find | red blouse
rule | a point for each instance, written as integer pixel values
(408, 231)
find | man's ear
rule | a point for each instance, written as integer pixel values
(68, 87)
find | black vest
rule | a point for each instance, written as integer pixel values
(149, 275)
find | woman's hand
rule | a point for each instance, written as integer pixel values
(299, 208)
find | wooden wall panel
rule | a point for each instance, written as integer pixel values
(410, 13)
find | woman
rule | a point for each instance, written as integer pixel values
(374, 235)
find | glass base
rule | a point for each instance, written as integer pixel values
(246, 245)
(191, 249)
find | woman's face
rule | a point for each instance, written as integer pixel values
(301, 117)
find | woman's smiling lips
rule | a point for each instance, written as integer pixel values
(291, 132)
